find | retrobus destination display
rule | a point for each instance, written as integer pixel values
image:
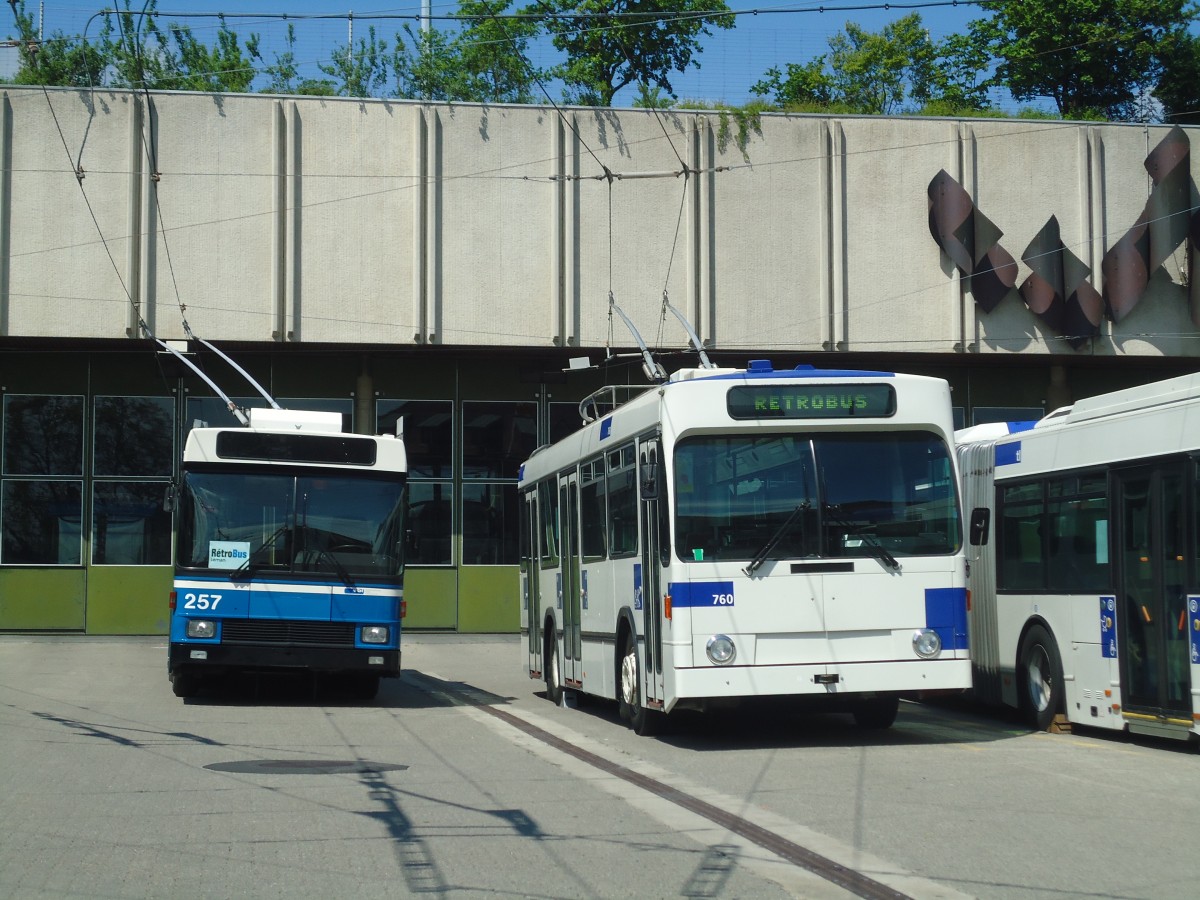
(811, 401)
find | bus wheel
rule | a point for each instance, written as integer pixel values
(554, 685)
(184, 684)
(1041, 679)
(876, 713)
(644, 721)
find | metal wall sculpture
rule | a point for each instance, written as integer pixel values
(1057, 289)
(1165, 223)
(971, 241)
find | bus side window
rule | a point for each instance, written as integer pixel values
(548, 519)
(622, 503)
(1020, 552)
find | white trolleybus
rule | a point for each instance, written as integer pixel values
(289, 551)
(1086, 575)
(1086, 589)
(731, 534)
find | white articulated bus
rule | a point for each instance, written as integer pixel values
(1085, 589)
(749, 533)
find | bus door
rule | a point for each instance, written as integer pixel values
(531, 607)
(652, 480)
(1151, 578)
(572, 588)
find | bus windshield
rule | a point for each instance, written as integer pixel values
(826, 495)
(243, 521)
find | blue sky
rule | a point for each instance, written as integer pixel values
(779, 33)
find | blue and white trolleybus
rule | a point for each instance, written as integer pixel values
(290, 551)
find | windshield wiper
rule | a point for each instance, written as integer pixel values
(761, 556)
(341, 570)
(877, 549)
(246, 569)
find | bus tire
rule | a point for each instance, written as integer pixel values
(1039, 672)
(644, 721)
(553, 673)
(184, 684)
(877, 713)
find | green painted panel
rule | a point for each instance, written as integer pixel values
(490, 599)
(42, 599)
(128, 599)
(431, 598)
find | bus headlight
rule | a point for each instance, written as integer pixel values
(374, 634)
(720, 649)
(201, 628)
(927, 643)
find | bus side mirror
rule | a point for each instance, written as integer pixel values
(981, 519)
(649, 484)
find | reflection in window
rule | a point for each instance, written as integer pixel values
(1020, 552)
(42, 523)
(336, 525)
(830, 495)
(622, 503)
(490, 524)
(428, 430)
(43, 435)
(592, 512)
(548, 517)
(430, 511)
(497, 438)
(134, 436)
(129, 525)
(428, 445)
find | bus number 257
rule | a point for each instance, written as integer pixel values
(206, 601)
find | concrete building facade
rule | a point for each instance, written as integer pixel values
(445, 263)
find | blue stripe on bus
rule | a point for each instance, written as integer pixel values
(606, 428)
(701, 593)
(946, 613)
(1008, 454)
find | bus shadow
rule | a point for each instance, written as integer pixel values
(789, 723)
(311, 689)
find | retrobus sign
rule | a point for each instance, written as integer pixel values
(811, 401)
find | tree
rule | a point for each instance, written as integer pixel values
(494, 52)
(1091, 57)
(58, 60)
(865, 71)
(623, 42)
(483, 62)
(1178, 88)
(222, 68)
(359, 71)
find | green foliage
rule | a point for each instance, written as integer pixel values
(625, 42)
(882, 72)
(1178, 88)
(222, 68)
(1091, 57)
(360, 70)
(484, 62)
